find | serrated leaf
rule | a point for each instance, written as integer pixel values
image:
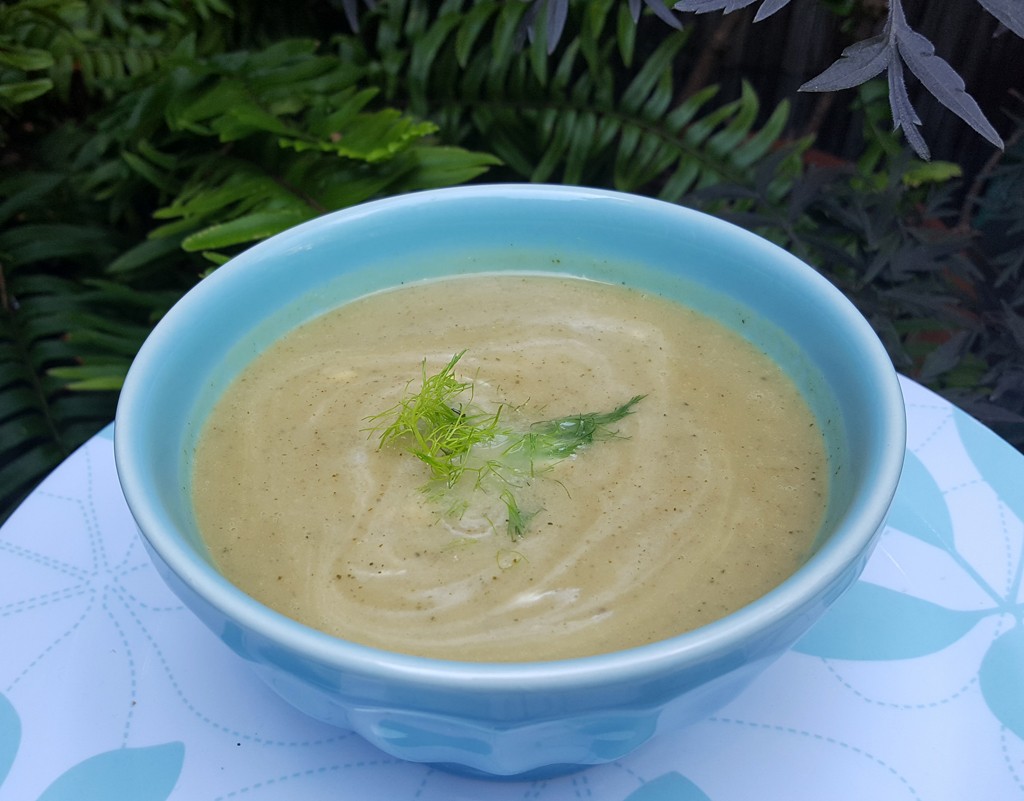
(705, 6)
(661, 11)
(858, 63)
(943, 81)
(903, 113)
(769, 7)
(1008, 12)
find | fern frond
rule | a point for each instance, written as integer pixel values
(100, 45)
(41, 420)
(586, 117)
(301, 136)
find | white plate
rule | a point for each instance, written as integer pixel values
(911, 688)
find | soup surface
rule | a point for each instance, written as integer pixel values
(710, 495)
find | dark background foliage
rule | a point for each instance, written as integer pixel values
(147, 141)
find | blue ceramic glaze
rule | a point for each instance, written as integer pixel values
(525, 718)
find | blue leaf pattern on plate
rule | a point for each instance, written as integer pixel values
(920, 508)
(10, 736)
(88, 630)
(876, 623)
(872, 622)
(127, 774)
(1001, 680)
(669, 787)
(999, 462)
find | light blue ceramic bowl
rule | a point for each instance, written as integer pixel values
(529, 718)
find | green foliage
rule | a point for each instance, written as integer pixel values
(148, 141)
(50, 324)
(95, 45)
(895, 47)
(587, 113)
(884, 145)
(274, 138)
(117, 207)
(941, 286)
(442, 427)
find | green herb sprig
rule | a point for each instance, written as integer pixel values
(442, 427)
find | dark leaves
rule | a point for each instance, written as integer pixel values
(904, 116)
(768, 7)
(896, 46)
(1008, 12)
(940, 79)
(859, 63)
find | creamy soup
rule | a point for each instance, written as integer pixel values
(710, 494)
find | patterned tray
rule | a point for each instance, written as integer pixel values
(911, 688)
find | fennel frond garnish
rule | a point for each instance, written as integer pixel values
(465, 445)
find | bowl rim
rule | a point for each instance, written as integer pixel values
(854, 533)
